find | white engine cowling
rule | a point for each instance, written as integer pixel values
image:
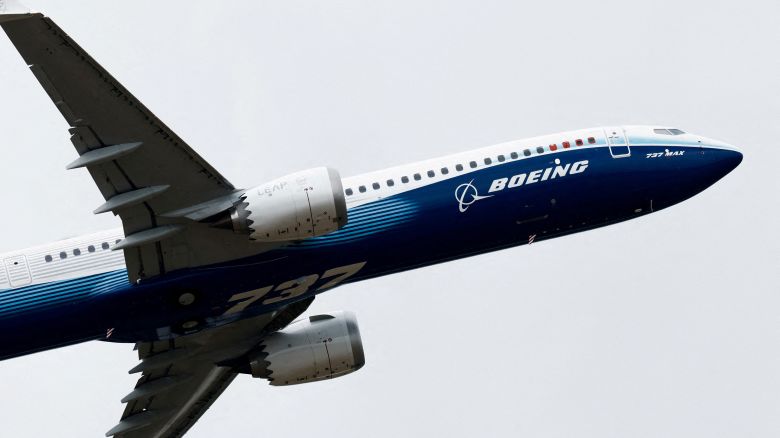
(316, 348)
(297, 206)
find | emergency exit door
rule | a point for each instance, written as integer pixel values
(18, 271)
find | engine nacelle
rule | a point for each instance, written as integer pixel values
(297, 206)
(316, 348)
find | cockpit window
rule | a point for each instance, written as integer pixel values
(671, 131)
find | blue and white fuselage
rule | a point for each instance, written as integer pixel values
(400, 218)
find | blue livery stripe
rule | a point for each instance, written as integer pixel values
(47, 295)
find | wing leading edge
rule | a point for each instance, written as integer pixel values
(146, 173)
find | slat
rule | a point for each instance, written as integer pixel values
(148, 236)
(154, 387)
(131, 198)
(103, 154)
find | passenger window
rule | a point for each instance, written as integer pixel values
(362, 189)
(473, 164)
(444, 171)
(404, 179)
(527, 152)
(501, 159)
(513, 155)
(417, 177)
(488, 161)
(566, 145)
(539, 150)
(48, 258)
(553, 147)
(349, 192)
(91, 248)
(591, 140)
(390, 183)
(76, 252)
(431, 174)
(459, 167)
(375, 186)
(104, 245)
(578, 142)
(63, 255)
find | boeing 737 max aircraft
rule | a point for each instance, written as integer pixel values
(207, 280)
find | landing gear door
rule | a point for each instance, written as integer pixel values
(18, 271)
(618, 142)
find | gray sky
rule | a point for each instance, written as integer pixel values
(663, 326)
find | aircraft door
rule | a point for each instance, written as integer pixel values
(18, 271)
(618, 142)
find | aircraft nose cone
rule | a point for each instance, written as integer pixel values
(719, 162)
(732, 159)
(727, 160)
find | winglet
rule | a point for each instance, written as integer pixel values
(11, 10)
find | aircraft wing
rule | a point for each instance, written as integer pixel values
(181, 378)
(146, 173)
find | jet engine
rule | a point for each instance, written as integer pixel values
(316, 348)
(297, 206)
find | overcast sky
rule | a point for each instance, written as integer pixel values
(664, 326)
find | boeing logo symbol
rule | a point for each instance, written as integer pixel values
(466, 194)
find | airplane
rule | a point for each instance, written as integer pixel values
(210, 281)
